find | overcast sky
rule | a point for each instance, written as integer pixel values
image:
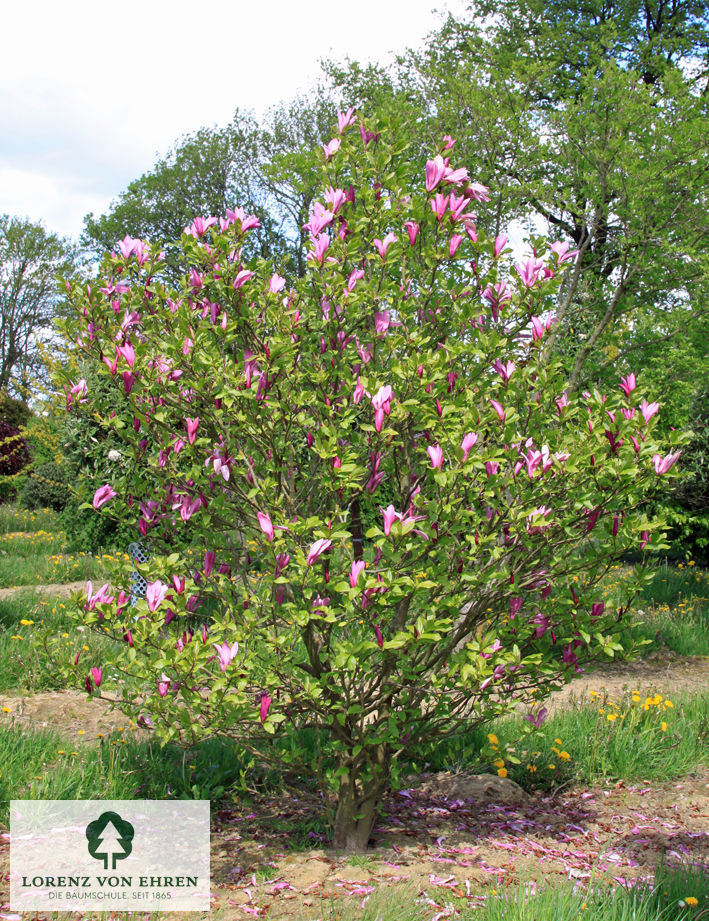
(92, 91)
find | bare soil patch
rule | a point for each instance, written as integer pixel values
(664, 672)
(72, 714)
(55, 590)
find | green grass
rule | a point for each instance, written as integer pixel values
(40, 568)
(15, 518)
(675, 610)
(662, 901)
(39, 642)
(631, 746)
(42, 765)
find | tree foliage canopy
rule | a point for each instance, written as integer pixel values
(31, 259)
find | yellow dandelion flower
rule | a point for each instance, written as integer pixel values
(502, 772)
(552, 767)
(691, 901)
(26, 623)
(492, 739)
(557, 741)
(612, 716)
(565, 756)
(6, 710)
(669, 704)
(498, 762)
(663, 726)
(80, 732)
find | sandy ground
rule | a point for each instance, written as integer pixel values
(56, 590)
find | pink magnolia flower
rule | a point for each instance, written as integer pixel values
(336, 198)
(247, 222)
(101, 597)
(345, 119)
(627, 384)
(562, 252)
(468, 444)
(381, 402)
(358, 392)
(103, 495)
(529, 272)
(435, 452)
(191, 425)
(265, 706)
(97, 675)
(536, 519)
(538, 718)
(412, 229)
(505, 371)
(319, 219)
(357, 567)
(663, 464)
(381, 322)
(478, 191)
(226, 653)
(383, 245)
(163, 685)
(242, 277)
(318, 548)
(648, 410)
(321, 244)
(537, 329)
(498, 409)
(439, 204)
(562, 402)
(155, 594)
(265, 525)
(499, 245)
(331, 148)
(79, 390)
(276, 283)
(435, 171)
(455, 242)
(407, 521)
(355, 276)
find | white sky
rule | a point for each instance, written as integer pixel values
(92, 91)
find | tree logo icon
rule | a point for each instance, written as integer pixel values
(110, 839)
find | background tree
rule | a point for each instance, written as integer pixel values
(268, 168)
(589, 120)
(31, 259)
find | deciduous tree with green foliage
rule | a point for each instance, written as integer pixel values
(30, 261)
(266, 421)
(589, 120)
